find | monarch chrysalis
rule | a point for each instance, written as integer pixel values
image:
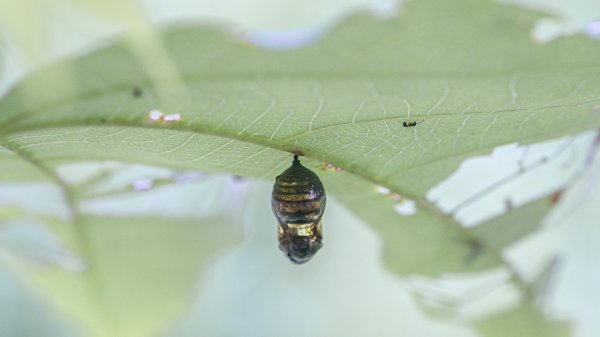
(298, 201)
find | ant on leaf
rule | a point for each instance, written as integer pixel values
(411, 124)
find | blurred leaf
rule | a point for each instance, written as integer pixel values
(139, 272)
(506, 229)
(524, 321)
(15, 168)
(142, 272)
(24, 314)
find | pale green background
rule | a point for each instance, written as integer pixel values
(243, 286)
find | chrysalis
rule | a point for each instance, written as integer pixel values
(298, 201)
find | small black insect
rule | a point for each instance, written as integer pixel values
(298, 201)
(137, 92)
(411, 124)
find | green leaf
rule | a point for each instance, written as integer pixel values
(15, 168)
(524, 321)
(508, 228)
(141, 274)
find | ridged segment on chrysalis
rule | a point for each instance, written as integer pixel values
(298, 201)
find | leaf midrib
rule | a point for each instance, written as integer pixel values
(283, 145)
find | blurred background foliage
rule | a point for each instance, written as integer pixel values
(148, 279)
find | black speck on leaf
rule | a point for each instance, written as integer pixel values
(136, 92)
